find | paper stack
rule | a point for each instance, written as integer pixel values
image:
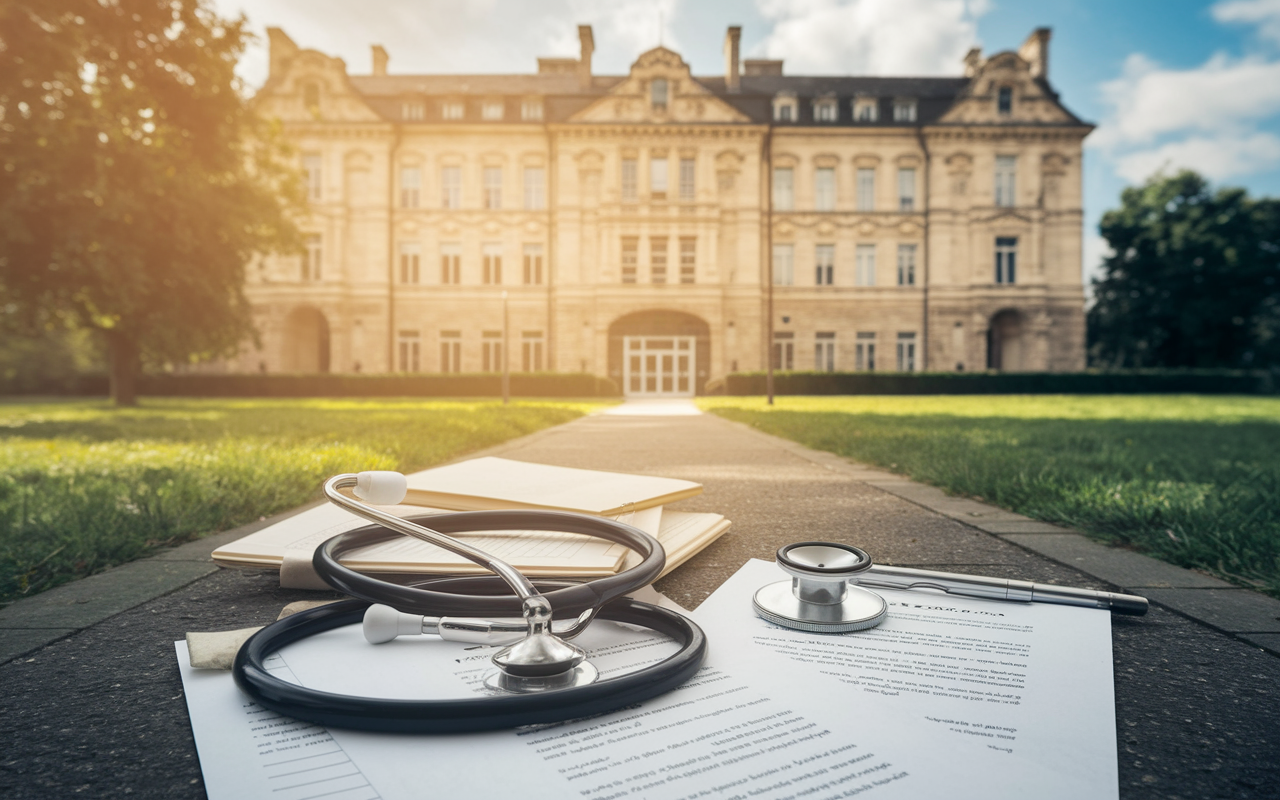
(496, 483)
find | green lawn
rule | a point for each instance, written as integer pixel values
(1192, 479)
(84, 486)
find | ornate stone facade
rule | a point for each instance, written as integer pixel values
(629, 225)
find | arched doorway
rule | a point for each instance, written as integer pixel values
(1006, 341)
(659, 354)
(306, 341)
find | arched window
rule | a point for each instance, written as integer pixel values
(311, 95)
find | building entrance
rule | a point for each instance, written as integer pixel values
(659, 366)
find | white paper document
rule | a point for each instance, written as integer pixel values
(730, 733)
(1023, 689)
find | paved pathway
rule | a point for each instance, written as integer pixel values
(99, 712)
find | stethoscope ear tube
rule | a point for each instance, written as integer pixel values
(466, 714)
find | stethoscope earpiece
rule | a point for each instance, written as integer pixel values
(818, 598)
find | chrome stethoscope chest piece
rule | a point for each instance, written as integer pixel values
(818, 598)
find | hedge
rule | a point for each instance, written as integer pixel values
(1110, 382)
(536, 384)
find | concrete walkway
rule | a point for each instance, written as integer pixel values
(93, 705)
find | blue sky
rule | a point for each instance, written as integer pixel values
(1170, 83)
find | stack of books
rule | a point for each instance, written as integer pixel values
(499, 483)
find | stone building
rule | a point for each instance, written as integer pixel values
(650, 226)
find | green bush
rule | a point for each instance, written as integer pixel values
(1153, 381)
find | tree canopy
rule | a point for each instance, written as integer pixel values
(1193, 279)
(136, 181)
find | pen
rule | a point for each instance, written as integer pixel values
(882, 577)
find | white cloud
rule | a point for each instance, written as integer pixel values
(1226, 155)
(1095, 249)
(875, 37)
(1263, 13)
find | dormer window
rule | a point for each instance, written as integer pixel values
(531, 110)
(658, 93)
(904, 110)
(491, 110)
(866, 109)
(413, 111)
(784, 109)
(1004, 100)
(825, 110)
(451, 109)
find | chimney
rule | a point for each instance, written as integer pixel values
(732, 78)
(1035, 51)
(972, 61)
(380, 59)
(282, 50)
(588, 43)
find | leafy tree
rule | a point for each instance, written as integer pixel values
(136, 181)
(1194, 279)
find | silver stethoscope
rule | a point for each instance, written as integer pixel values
(540, 676)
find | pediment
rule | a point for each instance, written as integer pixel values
(631, 100)
(1032, 101)
(284, 96)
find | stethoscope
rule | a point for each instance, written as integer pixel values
(539, 677)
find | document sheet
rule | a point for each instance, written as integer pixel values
(730, 733)
(1023, 689)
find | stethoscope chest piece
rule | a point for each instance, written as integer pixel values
(818, 598)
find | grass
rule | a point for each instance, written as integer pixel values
(1191, 479)
(85, 486)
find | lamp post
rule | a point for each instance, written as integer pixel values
(506, 352)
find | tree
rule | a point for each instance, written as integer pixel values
(136, 182)
(1193, 279)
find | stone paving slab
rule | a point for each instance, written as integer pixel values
(1230, 610)
(1116, 565)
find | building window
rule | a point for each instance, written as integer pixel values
(1006, 259)
(906, 352)
(904, 110)
(630, 186)
(865, 265)
(311, 163)
(409, 349)
(658, 259)
(531, 110)
(864, 352)
(784, 350)
(906, 189)
(535, 188)
(452, 109)
(825, 110)
(784, 109)
(824, 257)
(824, 351)
(824, 189)
(311, 260)
(531, 351)
(1004, 100)
(413, 112)
(687, 174)
(688, 259)
(451, 351)
(451, 187)
(906, 265)
(658, 93)
(630, 258)
(533, 264)
(493, 187)
(1006, 180)
(491, 351)
(784, 264)
(866, 189)
(784, 189)
(491, 254)
(492, 110)
(410, 262)
(451, 263)
(410, 187)
(658, 178)
(311, 96)
(866, 109)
